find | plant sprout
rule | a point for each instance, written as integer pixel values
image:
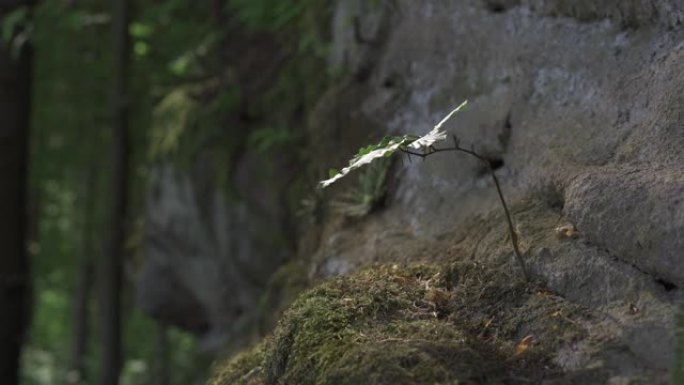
(423, 147)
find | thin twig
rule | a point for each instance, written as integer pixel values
(430, 151)
(511, 230)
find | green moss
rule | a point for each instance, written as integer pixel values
(245, 368)
(283, 287)
(421, 324)
(513, 308)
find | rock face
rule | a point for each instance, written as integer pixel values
(207, 260)
(580, 105)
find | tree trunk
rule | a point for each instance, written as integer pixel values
(80, 326)
(15, 283)
(112, 266)
(163, 372)
(85, 274)
(80, 319)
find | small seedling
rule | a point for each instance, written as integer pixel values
(423, 147)
(368, 193)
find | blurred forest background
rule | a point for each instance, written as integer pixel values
(118, 90)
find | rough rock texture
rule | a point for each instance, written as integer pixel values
(580, 106)
(207, 261)
(582, 103)
(417, 324)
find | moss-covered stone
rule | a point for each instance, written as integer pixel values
(245, 368)
(283, 288)
(425, 324)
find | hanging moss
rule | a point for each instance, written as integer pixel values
(172, 116)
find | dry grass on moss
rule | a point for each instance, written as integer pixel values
(454, 324)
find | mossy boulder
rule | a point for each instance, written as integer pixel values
(425, 324)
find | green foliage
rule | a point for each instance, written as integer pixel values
(202, 106)
(184, 99)
(67, 52)
(188, 62)
(176, 35)
(70, 123)
(265, 139)
(184, 125)
(16, 29)
(139, 33)
(47, 353)
(187, 362)
(368, 193)
(138, 30)
(269, 15)
(173, 117)
(177, 78)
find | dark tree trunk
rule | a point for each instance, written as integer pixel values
(15, 282)
(163, 372)
(112, 266)
(86, 269)
(80, 326)
(86, 273)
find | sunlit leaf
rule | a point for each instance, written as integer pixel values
(390, 145)
(436, 134)
(365, 159)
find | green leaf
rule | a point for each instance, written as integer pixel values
(333, 172)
